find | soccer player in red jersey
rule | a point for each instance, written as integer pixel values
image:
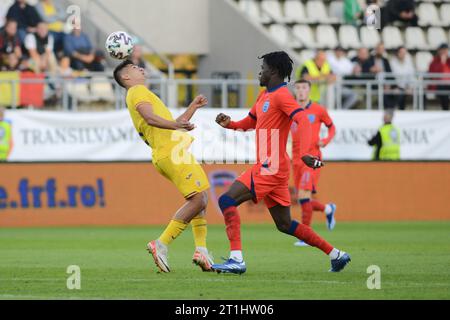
(271, 116)
(306, 179)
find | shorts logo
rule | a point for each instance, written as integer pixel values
(266, 106)
(312, 118)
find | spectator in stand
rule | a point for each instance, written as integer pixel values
(26, 16)
(343, 67)
(11, 63)
(353, 14)
(136, 56)
(360, 63)
(64, 70)
(377, 64)
(318, 72)
(40, 49)
(10, 43)
(441, 64)
(399, 10)
(403, 69)
(54, 15)
(78, 48)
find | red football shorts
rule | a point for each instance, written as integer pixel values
(272, 188)
(306, 178)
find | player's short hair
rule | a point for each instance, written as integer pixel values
(280, 61)
(118, 72)
(303, 81)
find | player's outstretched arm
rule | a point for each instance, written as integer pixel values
(199, 102)
(146, 111)
(245, 124)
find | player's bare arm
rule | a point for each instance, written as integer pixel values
(145, 109)
(199, 102)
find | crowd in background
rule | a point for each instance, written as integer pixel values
(365, 65)
(39, 39)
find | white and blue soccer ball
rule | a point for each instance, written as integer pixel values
(119, 45)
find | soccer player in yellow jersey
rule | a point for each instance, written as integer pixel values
(169, 142)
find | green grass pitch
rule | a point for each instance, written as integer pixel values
(414, 259)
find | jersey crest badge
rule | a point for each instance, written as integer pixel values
(311, 118)
(266, 106)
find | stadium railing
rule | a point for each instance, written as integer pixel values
(70, 93)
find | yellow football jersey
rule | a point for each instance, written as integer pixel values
(162, 141)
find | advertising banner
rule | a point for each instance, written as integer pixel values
(134, 193)
(110, 136)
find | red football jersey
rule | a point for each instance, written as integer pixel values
(317, 115)
(272, 116)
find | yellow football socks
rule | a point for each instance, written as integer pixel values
(173, 230)
(199, 229)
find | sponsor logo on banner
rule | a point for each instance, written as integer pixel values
(30, 195)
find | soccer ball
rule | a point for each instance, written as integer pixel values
(119, 45)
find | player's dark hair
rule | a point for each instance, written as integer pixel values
(303, 81)
(118, 71)
(280, 61)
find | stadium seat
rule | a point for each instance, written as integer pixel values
(392, 37)
(326, 37)
(252, 9)
(428, 15)
(445, 14)
(436, 37)
(348, 37)
(352, 53)
(282, 35)
(415, 39)
(369, 37)
(304, 33)
(316, 11)
(79, 89)
(295, 11)
(273, 9)
(423, 60)
(101, 89)
(336, 10)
